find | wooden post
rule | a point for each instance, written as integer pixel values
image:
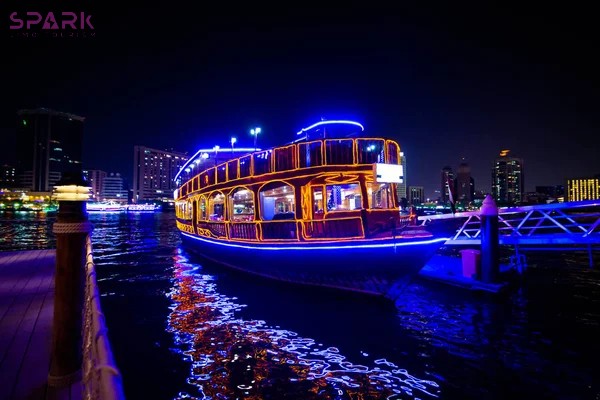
(489, 241)
(71, 229)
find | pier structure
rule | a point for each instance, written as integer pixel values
(565, 226)
(53, 337)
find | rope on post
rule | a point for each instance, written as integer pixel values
(72, 227)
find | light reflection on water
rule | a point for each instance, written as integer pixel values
(21, 230)
(236, 358)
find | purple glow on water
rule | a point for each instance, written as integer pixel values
(238, 358)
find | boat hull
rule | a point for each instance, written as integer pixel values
(378, 267)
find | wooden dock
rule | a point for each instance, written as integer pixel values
(26, 315)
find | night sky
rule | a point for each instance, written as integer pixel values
(452, 81)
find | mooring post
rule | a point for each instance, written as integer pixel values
(71, 229)
(489, 240)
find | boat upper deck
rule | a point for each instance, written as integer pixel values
(316, 155)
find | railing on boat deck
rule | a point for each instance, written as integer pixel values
(215, 228)
(316, 229)
(273, 230)
(101, 378)
(243, 230)
(338, 228)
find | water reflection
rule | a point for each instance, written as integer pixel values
(26, 230)
(236, 358)
(538, 342)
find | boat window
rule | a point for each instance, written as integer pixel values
(195, 185)
(317, 195)
(216, 207)
(310, 154)
(245, 166)
(284, 158)
(222, 173)
(262, 162)
(277, 201)
(186, 210)
(380, 195)
(241, 202)
(370, 151)
(393, 153)
(202, 206)
(339, 152)
(207, 177)
(343, 197)
(232, 169)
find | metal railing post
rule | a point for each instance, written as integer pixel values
(489, 241)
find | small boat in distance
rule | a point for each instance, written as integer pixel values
(140, 207)
(322, 210)
(104, 206)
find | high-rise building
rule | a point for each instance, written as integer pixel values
(95, 179)
(447, 175)
(113, 188)
(580, 189)
(153, 173)
(416, 195)
(464, 186)
(8, 177)
(401, 187)
(508, 179)
(49, 144)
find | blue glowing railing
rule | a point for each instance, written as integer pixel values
(559, 223)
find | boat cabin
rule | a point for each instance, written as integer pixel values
(326, 189)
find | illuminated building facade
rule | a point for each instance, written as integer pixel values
(401, 187)
(8, 177)
(154, 172)
(95, 179)
(447, 175)
(113, 188)
(508, 179)
(416, 195)
(580, 189)
(465, 184)
(49, 144)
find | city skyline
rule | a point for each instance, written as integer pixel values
(446, 85)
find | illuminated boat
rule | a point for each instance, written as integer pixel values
(101, 206)
(322, 210)
(142, 207)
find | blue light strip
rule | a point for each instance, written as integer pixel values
(362, 128)
(223, 150)
(353, 246)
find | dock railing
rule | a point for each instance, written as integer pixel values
(101, 378)
(559, 223)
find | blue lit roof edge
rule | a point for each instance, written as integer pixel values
(348, 122)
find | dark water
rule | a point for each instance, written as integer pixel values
(181, 329)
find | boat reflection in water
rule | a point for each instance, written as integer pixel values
(247, 359)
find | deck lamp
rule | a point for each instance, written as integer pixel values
(233, 141)
(254, 132)
(216, 149)
(72, 188)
